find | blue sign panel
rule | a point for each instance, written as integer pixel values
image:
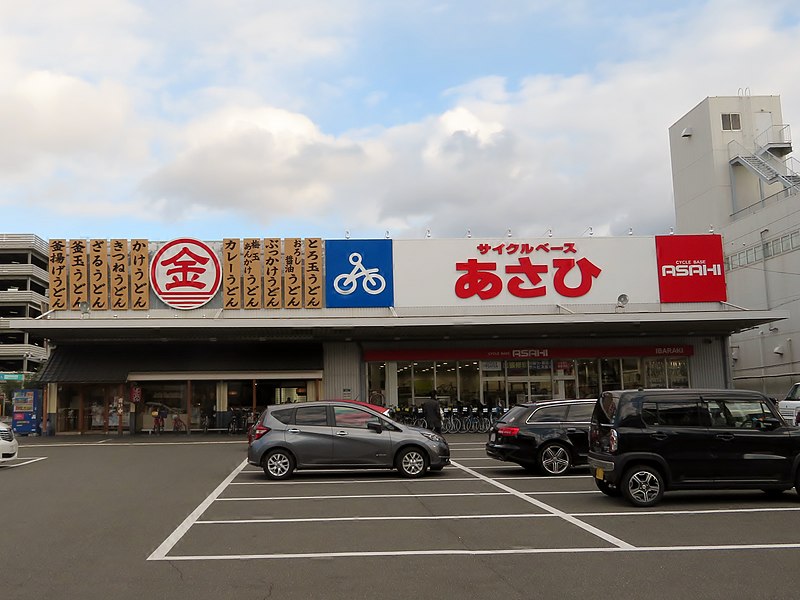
(358, 273)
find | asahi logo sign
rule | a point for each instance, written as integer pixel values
(690, 268)
(185, 273)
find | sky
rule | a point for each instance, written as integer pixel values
(336, 118)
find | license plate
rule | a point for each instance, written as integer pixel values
(492, 437)
(598, 474)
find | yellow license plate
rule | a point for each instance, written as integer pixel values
(598, 473)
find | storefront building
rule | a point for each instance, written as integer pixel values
(209, 330)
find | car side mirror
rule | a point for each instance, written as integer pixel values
(771, 423)
(376, 427)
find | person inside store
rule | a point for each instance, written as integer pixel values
(432, 412)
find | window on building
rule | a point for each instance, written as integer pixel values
(731, 122)
(796, 239)
(446, 382)
(469, 382)
(786, 243)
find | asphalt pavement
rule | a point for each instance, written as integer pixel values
(177, 516)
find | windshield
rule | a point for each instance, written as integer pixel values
(794, 392)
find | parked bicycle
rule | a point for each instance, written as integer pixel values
(177, 424)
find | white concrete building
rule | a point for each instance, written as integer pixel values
(732, 173)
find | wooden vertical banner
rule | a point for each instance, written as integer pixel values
(272, 273)
(140, 275)
(293, 272)
(312, 271)
(120, 275)
(58, 274)
(251, 273)
(78, 274)
(98, 274)
(231, 274)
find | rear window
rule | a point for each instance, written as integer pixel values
(608, 407)
(580, 413)
(311, 415)
(549, 414)
(284, 415)
(516, 414)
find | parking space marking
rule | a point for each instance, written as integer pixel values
(382, 518)
(351, 481)
(161, 552)
(713, 511)
(492, 552)
(361, 496)
(22, 464)
(569, 518)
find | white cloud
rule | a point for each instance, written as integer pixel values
(206, 117)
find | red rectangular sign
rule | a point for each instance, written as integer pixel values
(690, 268)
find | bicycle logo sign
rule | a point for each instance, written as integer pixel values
(346, 283)
(358, 273)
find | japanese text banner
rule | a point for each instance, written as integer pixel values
(508, 272)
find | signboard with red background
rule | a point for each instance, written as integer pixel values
(690, 268)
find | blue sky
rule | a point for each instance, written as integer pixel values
(211, 118)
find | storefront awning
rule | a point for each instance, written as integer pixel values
(113, 363)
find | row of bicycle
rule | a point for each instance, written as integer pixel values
(463, 419)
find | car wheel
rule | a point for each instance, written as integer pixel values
(554, 459)
(278, 464)
(607, 488)
(643, 486)
(412, 462)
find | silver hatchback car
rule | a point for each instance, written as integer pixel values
(337, 435)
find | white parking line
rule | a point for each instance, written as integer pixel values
(386, 518)
(492, 552)
(21, 464)
(358, 496)
(354, 481)
(569, 518)
(160, 553)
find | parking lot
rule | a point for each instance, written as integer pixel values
(205, 523)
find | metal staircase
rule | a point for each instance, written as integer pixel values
(766, 160)
(766, 171)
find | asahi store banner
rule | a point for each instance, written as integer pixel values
(476, 272)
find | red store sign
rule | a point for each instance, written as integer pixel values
(185, 273)
(525, 353)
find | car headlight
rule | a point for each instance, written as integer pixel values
(432, 437)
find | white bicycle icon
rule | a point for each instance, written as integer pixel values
(346, 283)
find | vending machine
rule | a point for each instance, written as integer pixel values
(27, 412)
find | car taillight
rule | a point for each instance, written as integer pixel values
(259, 431)
(508, 431)
(613, 441)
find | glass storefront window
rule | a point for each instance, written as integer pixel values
(446, 382)
(204, 402)
(564, 368)
(631, 374)
(517, 368)
(493, 368)
(611, 374)
(678, 372)
(540, 368)
(588, 379)
(376, 383)
(423, 381)
(404, 379)
(655, 373)
(494, 393)
(469, 382)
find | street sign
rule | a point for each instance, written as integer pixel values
(12, 376)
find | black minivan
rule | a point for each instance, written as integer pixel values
(643, 442)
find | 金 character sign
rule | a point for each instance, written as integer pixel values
(185, 273)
